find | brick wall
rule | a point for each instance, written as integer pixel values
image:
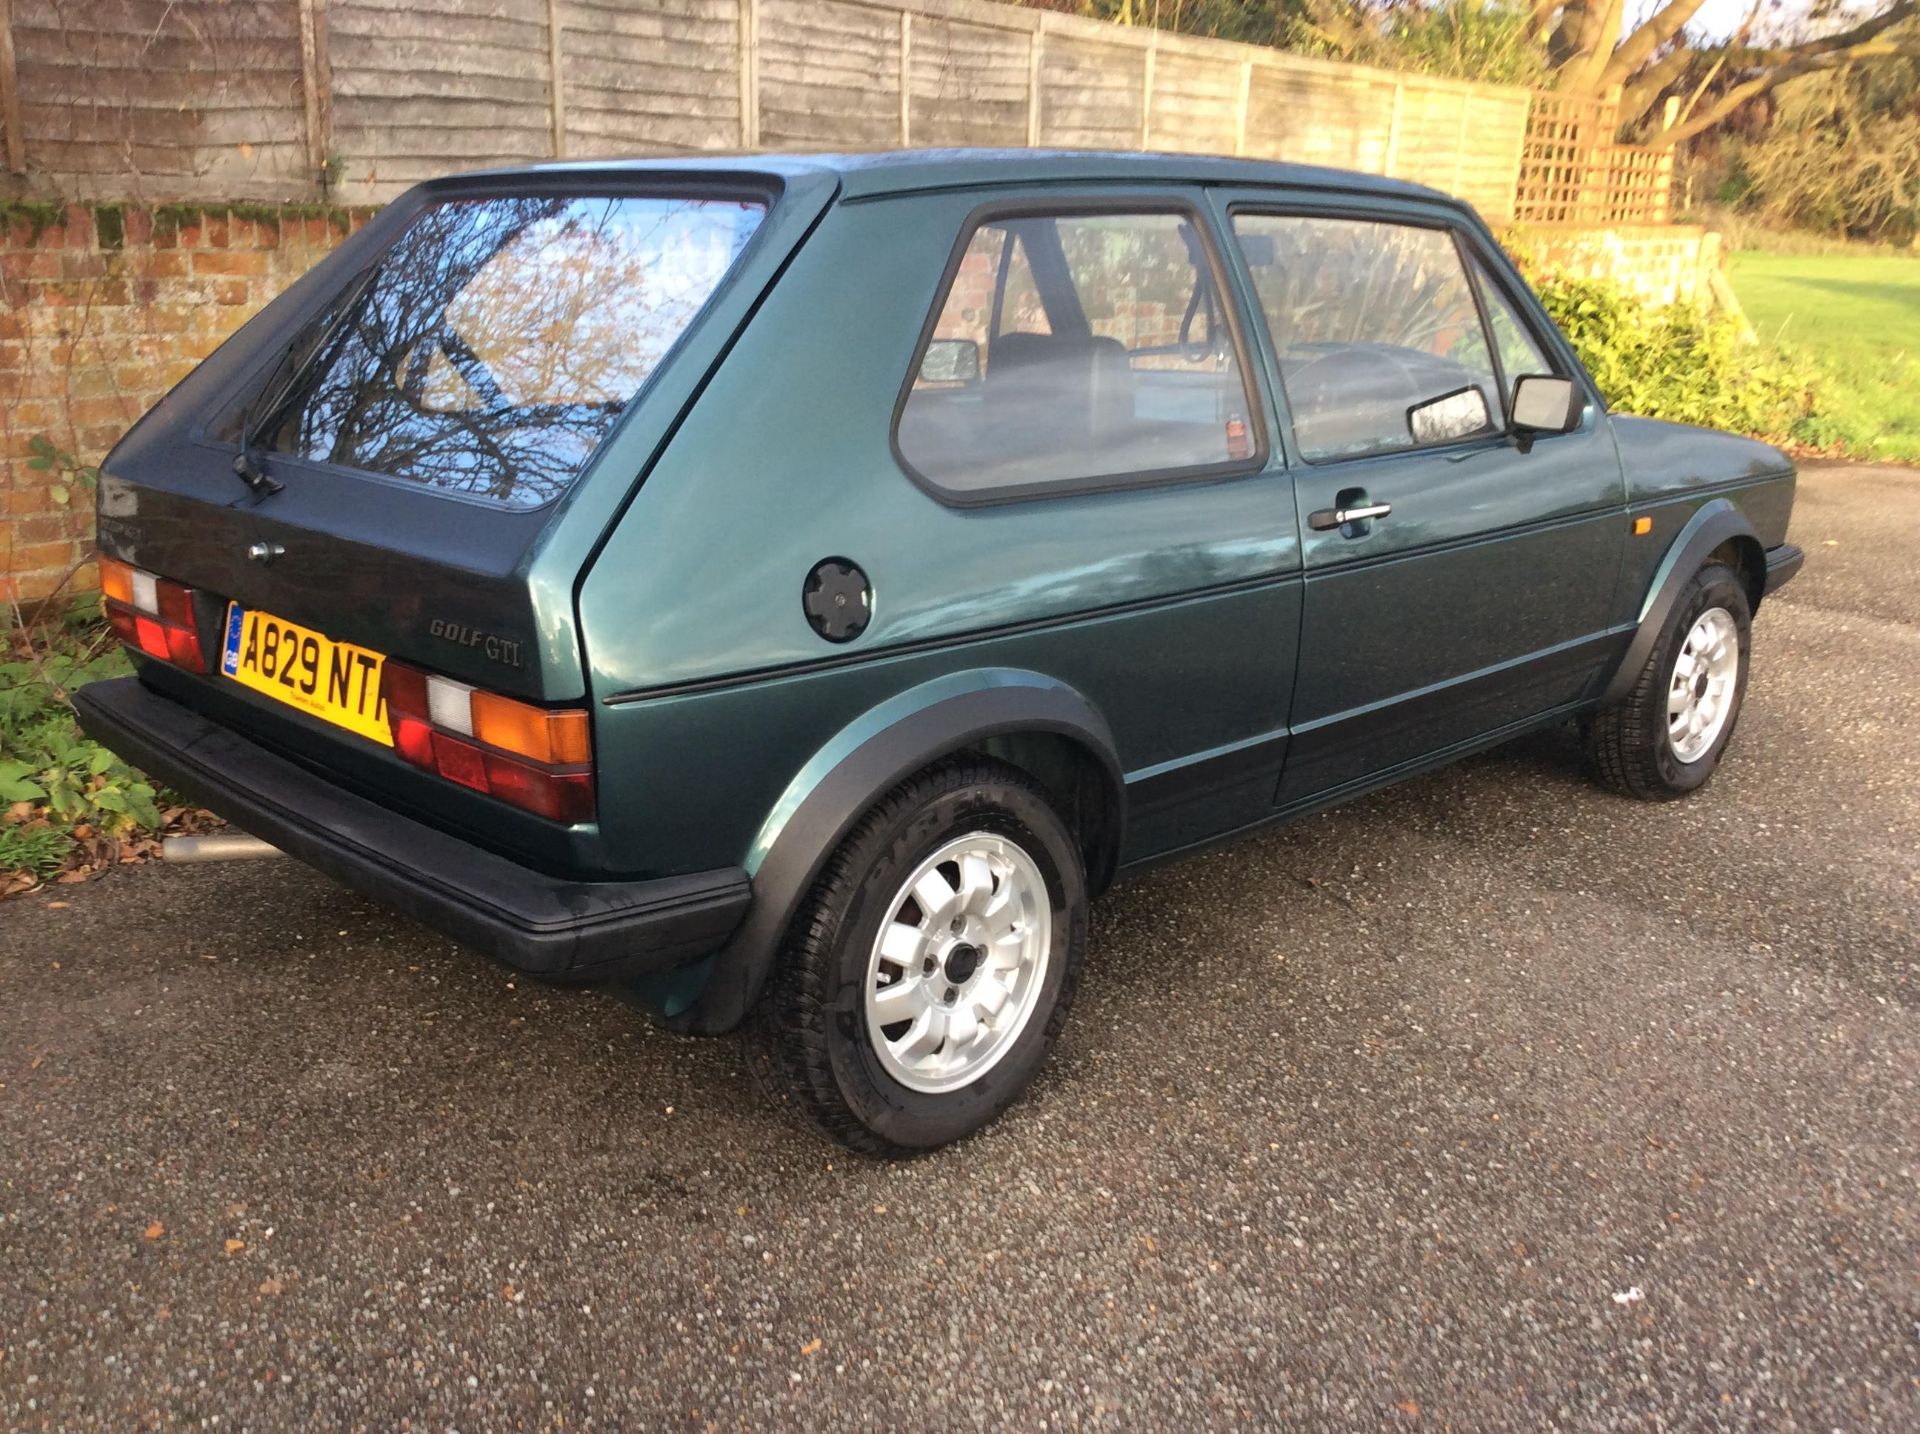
(107, 307)
(1663, 264)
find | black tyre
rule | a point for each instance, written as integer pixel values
(931, 966)
(1665, 739)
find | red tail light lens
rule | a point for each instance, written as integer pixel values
(459, 761)
(183, 649)
(152, 614)
(534, 758)
(559, 796)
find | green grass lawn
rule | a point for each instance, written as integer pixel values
(1859, 317)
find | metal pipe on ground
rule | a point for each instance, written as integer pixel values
(226, 846)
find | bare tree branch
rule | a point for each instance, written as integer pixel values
(1540, 16)
(1645, 42)
(1699, 91)
(1807, 64)
(1824, 44)
(1651, 83)
(1585, 71)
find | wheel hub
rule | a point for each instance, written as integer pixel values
(957, 968)
(1700, 693)
(962, 960)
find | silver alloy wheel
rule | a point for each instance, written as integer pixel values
(1700, 690)
(957, 968)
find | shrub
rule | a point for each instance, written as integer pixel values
(64, 799)
(1677, 362)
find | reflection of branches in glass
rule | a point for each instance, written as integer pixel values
(1350, 281)
(501, 338)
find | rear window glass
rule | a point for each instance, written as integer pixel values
(499, 339)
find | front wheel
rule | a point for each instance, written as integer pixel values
(1666, 738)
(932, 964)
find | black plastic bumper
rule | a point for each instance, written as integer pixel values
(1782, 563)
(547, 925)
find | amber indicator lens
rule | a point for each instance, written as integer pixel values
(151, 614)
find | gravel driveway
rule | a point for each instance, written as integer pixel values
(1492, 1101)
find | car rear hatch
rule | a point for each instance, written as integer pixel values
(415, 450)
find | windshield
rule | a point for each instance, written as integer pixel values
(499, 339)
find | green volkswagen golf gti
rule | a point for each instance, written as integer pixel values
(789, 589)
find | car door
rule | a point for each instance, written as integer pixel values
(1457, 584)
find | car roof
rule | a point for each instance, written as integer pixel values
(903, 171)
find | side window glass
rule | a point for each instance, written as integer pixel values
(1380, 343)
(1519, 353)
(1076, 347)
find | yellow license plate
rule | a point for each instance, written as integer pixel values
(334, 681)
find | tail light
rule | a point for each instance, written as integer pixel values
(534, 758)
(152, 614)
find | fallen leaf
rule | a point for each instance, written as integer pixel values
(271, 1286)
(234, 1247)
(812, 1347)
(879, 1209)
(1409, 1407)
(36, 1063)
(155, 1230)
(58, 905)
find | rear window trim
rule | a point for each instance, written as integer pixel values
(764, 190)
(1075, 206)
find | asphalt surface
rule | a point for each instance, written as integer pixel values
(1492, 1101)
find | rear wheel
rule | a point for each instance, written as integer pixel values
(932, 964)
(1666, 738)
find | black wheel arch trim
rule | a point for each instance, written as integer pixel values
(865, 761)
(1715, 523)
(1782, 563)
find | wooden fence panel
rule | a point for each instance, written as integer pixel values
(968, 83)
(1319, 114)
(1195, 104)
(1465, 140)
(662, 78)
(137, 98)
(207, 99)
(1090, 92)
(420, 89)
(829, 75)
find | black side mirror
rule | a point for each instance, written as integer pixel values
(951, 361)
(1544, 403)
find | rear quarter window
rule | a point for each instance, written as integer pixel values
(499, 339)
(1077, 348)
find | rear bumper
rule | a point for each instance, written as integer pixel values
(546, 925)
(1782, 563)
